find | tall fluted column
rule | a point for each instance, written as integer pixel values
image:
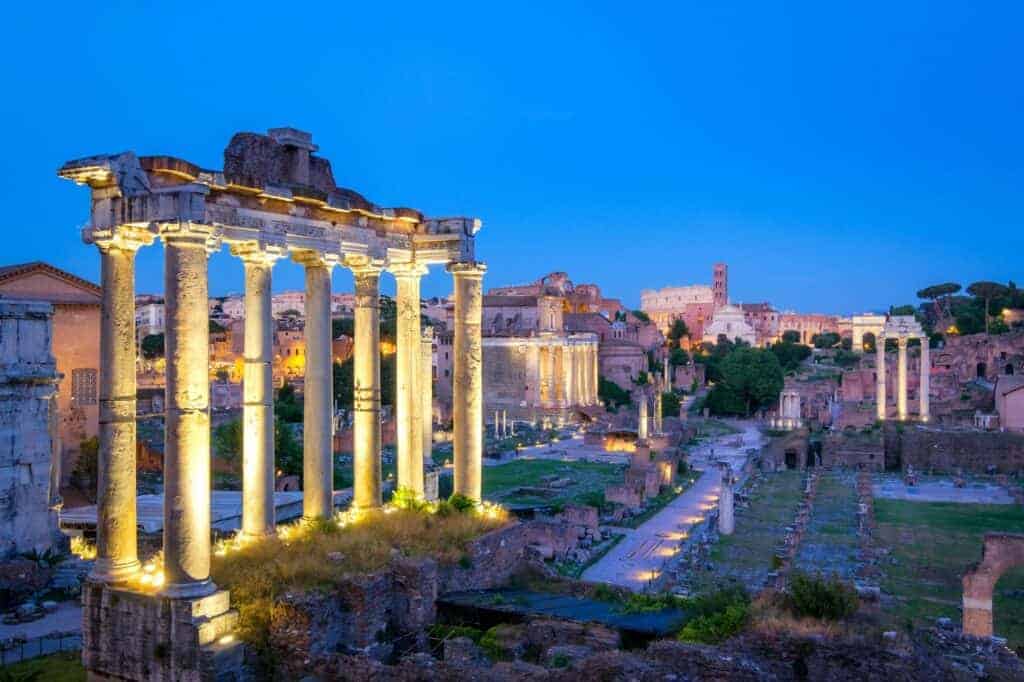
(594, 373)
(468, 399)
(925, 386)
(880, 377)
(187, 431)
(117, 555)
(366, 390)
(584, 370)
(901, 377)
(657, 411)
(408, 418)
(258, 392)
(318, 391)
(427, 390)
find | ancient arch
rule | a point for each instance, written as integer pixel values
(1001, 552)
(981, 370)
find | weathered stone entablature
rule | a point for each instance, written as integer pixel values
(257, 200)
(273, 199)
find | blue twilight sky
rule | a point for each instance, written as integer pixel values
(839, 156)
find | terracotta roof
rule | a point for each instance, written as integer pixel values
(11, 272)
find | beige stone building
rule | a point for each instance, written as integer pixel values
(695, 304)
(76, 347)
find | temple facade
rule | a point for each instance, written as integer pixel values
(274, 199)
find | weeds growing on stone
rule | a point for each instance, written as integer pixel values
(318, 555)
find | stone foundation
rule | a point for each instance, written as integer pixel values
(129, 635)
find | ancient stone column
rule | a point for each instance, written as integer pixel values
(577, 375)
(318, 391)
(569, 393)
(408, 401)
(427, 390)
(116, 539)
(558, 377)
(583, 366)
(366, 390)
(187, 430)
(641, 430)
(901, 377)
(880, 377)
(593, 373)
(657, 411)
(467, 398)
(726, 520)
(258, 392)
(925, 387)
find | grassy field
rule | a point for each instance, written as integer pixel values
(830, 545)
(63, 667)
(932, 544)
(503, 483)
(746, 555)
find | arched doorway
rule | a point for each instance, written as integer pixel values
(980, 370)
(1009, 369)
(1000, 552)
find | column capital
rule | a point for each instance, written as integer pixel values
(361, 264)
(184, 232)
(121, 237)
(315, 259)
(412, 269)
(467, 269)
(258, 252)
(427, 333)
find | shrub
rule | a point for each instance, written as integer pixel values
(817, 597)
(716, 616)
(461, 503)
(645, 603)
(407, 498)
(716, 627)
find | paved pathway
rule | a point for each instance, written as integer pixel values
(638, 558)
(66, 618)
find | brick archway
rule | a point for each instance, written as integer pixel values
(1001, 552)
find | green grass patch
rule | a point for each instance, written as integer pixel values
(931, 546)
(65, 666)
(521, 483)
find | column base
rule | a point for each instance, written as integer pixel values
(189, 590)
(111, 572)
(129, 635)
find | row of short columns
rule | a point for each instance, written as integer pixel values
(187, 426)
(901, 378)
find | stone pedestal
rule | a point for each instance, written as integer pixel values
(129, 635)
(467, 385)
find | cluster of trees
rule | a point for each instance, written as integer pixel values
(978, 311)
(748, 379)
(227, 438)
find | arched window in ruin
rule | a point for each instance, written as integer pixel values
(1009, 368)
(1001, 552)
(980, 370)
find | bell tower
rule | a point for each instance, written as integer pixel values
(720, 285)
